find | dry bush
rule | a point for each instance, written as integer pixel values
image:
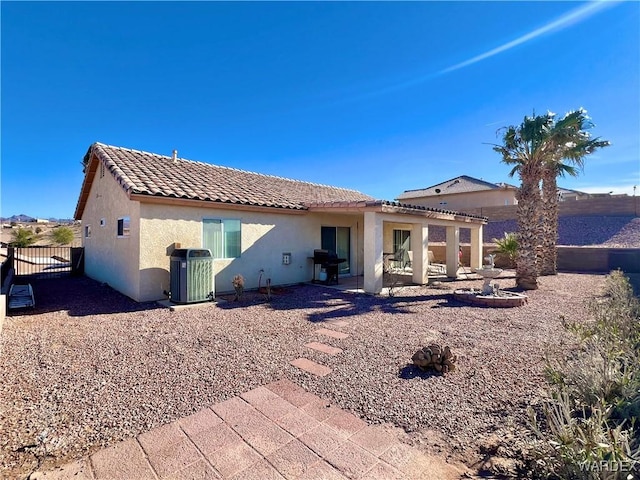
(587, 426)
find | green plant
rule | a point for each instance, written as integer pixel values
(238, 285)
(62, 235)
(23, 237)
(589, 427)
(391, 277)
(508, 246)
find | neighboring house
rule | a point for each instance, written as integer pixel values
(135, 208)
(565, 194)
(462, 193)
(466, 192)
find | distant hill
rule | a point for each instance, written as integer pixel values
(43, 232)
(22, 218)
(19, 218)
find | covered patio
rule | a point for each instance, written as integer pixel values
(382, 219)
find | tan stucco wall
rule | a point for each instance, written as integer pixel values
(110, 259)
(264, 238)
(589, 206)
(462, 201)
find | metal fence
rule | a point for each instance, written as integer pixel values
(7, 265)
(47, 262)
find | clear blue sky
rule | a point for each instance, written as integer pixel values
(380, 97)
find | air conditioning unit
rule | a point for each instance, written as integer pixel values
(191, 272)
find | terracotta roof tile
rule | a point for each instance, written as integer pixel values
(157, 175)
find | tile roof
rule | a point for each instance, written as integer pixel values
(461, 184)
(396, 207)
(159, 176)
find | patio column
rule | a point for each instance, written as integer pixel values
(373, 267)
(419, 246)
(476, 247)
(453, 244)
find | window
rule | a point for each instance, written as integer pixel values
(87, 231)
(222, 237)
(124, 226)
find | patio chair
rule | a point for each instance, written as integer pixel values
(396, 261)
(436, 268)
(409, 262)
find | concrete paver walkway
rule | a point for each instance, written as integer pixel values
(278, 431)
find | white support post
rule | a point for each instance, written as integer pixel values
(419, 247)
(476, 247)
(373, 266)
(453, 244)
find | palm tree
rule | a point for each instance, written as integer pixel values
(573, 144)
(526, 147)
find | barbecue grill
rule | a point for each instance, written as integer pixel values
(329, 261)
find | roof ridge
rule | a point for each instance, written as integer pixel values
(131, 150)
(466, 177)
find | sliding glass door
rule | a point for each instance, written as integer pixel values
(337, 240)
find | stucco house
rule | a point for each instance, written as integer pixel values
(136, 207)
(565, 194)
(461, 193)
(466, 193)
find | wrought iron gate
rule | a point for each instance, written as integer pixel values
(46, 262)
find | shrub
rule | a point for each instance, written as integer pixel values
(507, 247)
(238, 285)
(23, 237)
(589, 427)
(62, 235)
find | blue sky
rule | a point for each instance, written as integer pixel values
(381, 97)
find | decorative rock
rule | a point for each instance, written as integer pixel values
(434, 356)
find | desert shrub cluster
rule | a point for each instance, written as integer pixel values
(588, 426)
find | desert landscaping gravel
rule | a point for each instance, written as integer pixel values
(90, 367)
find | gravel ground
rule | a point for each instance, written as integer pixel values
(90, 367)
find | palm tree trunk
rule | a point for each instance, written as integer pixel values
(528, 197)
(548, 264)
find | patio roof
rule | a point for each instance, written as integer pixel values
(385, 206)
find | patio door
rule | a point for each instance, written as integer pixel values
(338, 241)
(402, 245)
(401, 240)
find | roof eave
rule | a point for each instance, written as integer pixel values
(190, 202)
(87, 182)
